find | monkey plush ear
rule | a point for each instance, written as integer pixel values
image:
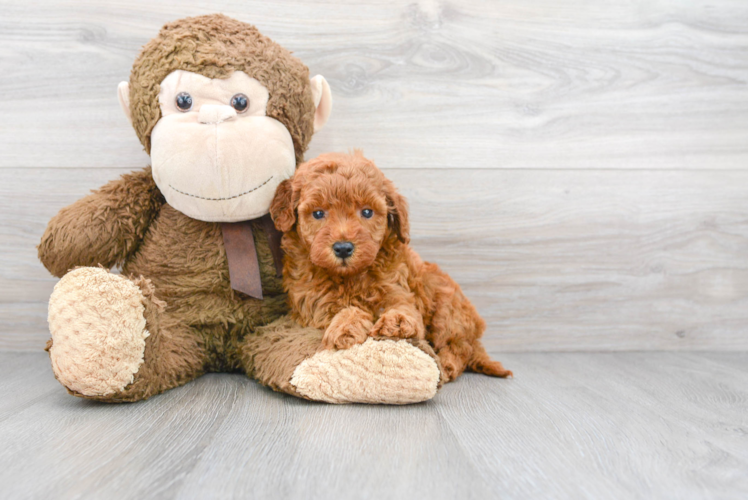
(282, 208)
(322, 101)
(397, 208)
(123, 92)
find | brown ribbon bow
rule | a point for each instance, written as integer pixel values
(244, 268)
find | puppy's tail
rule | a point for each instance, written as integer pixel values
(480, 362)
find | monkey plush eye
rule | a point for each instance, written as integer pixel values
(367, 213)
(240, 103)
(318, 214)
(184, 101)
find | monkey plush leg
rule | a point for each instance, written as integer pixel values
(112, 342)
(287, 358)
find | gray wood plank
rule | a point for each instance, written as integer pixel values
(593, 425)
(554, 260)
(424, 84)
(720, 359)
(26, 380)
(624, 425)
(324, 455)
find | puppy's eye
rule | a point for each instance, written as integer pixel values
(183, 101)
(240, 102)
(318, 214)
(367, 213)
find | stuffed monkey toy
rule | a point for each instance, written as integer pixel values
(226, 115)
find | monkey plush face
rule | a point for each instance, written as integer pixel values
(225, 114)
(215, 153)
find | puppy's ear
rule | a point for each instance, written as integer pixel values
(397, 218)
(282, 208)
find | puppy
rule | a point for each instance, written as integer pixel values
(348, 268)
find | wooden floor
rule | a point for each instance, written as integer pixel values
(570, 425)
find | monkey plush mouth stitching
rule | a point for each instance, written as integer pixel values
(228, 198)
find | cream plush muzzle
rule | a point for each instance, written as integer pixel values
(213, 163)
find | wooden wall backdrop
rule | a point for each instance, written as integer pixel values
(581, 167)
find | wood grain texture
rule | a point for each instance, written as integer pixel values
(594, 425)
(426, 84)
(588, 159)
(554, 260)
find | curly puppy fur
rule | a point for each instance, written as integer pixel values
(382, 288)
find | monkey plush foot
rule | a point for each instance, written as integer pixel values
(377, 371)
(98, 331)
(287, 357)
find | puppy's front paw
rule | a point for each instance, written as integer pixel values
(399, 323)
(346, 336)
(348, 328)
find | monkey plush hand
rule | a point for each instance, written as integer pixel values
(226, 115)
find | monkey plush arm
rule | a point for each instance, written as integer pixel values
(103, 228)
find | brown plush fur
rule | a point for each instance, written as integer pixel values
(383, 288)
(204, 324)
(215, 46)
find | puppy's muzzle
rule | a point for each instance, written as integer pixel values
(343, 249)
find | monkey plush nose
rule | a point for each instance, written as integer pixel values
(342, 249)
(216, 113)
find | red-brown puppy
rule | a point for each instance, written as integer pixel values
(349, 270)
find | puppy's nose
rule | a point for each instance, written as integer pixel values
(342, 249)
